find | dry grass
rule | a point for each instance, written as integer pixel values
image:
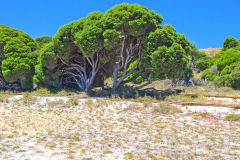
(48, 92)
(194, 99)
(165, 108)
(233, 117)
(205, 96)
(211, 91)
(4, 98)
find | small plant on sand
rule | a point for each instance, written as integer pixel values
(165, 108)
(28, 98)
(146, 100)
(54, 92)
(89, 103)
(233, 117)
(56, 103)
(4, 98)
(100, 103)
(73, 101)
(42, 91)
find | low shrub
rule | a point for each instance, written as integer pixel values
(90, 103)
(233, 117)
(165, 108)
(42, 91)
(121, 92)
(73, 101)
(28, 98)
(4, 98)
(54, 92)
(203, 63)
(230, 76)
(209, 73)
(146, 100)
(101, 93)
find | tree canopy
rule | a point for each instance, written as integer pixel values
(17, 56)
(42, 41)
(230, 42)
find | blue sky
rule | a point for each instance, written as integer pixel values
(205, 22)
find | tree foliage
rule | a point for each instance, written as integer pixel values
(227, 65)
(226, 58)
(230, 76)
(17, 56)
(203, 62)
(42, 41)
(169, 62)
(130, 24)
(230, 42)
(75, 55)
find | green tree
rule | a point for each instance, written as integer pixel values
(169, 62)
(130, 24)
(219, 62)
(230, 42)
(230, 76)
(18, 56)
(226, 58)
(76, 54)
(161, 43)
(42, 41)
(203, 63)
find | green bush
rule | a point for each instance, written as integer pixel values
(225, 58)
(73, 101)
(172, 61)
(230, 42)
(19, 56)
(225, 71)
(42, 41)
(205, 73)
(203, 63)
(165, 108)
(233, 117)
(230, 76)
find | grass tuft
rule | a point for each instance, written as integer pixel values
(233, 117)
(165, 108)
(73, 101)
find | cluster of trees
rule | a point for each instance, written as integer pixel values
(224, 67)
(126, 43)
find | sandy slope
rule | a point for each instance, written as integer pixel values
(211, 51)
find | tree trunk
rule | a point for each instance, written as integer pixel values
(145, 84)
(81, 73)
(128, 55)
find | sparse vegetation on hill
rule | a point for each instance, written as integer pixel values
(223, 68)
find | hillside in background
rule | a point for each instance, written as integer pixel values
(211, 51)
